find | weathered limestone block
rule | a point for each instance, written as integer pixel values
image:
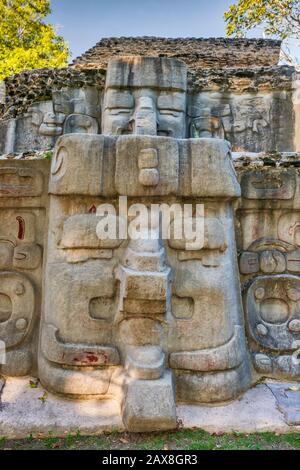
(256, 107)
(7, 136)
(147, 167)
(80, 124)
(145, 95)
(296, 108)
(267, 229)
(71, 110)
(153, 319)
(206, 340)
(257, 121)
(140, 321)
(85, 101)
(52, 124)
(132, 308)
(17, 307)
(214, 238)
(219, 357)
(149, 320)
(269, 185)
(23, 205)
(81, 108)
(272, 304)
(77, 350)
(79, 164)
(195, 52)
(203, 176)
(37, 129)
(210, 388)
(73, 355)
(80, 231)
(17, 180)
(144, 362)
(150, 404)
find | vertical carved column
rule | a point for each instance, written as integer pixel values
(207, 341)
(149, 401)
(147, 170)
(145, 96)
(77, 352)
(23, 205)
(137, 315)
(268, 229)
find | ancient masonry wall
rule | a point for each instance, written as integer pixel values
(197, 53)
(22, 90)
(152, 322)
(256, 109)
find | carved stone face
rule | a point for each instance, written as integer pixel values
(80, 124)
(52, 124)
(143, 102)
(272, 308)
(144, 112)
(242, 119)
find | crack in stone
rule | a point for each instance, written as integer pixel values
(2, 385)
(288, 405)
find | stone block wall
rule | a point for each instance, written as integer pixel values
(267, 223)
(153, 321)
(23, 235)
(254, 110)
(197, 53)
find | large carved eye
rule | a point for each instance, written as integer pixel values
(118, 101)
(120, 111)
(170, 112)
(274, 310)
(171, 103)
(5, 308)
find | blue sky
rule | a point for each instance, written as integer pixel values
(84, 22)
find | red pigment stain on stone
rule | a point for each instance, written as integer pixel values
(21, 231)
(93, 209)
(91, 358)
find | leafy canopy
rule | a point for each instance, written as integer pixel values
(280, 18)
(26, 41)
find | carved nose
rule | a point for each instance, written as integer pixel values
(144, 119)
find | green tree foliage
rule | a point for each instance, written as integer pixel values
(26, 41)
(279, 18)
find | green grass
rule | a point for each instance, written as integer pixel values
(48, 154)
(181, 440)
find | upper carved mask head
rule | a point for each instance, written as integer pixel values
(146, 96)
